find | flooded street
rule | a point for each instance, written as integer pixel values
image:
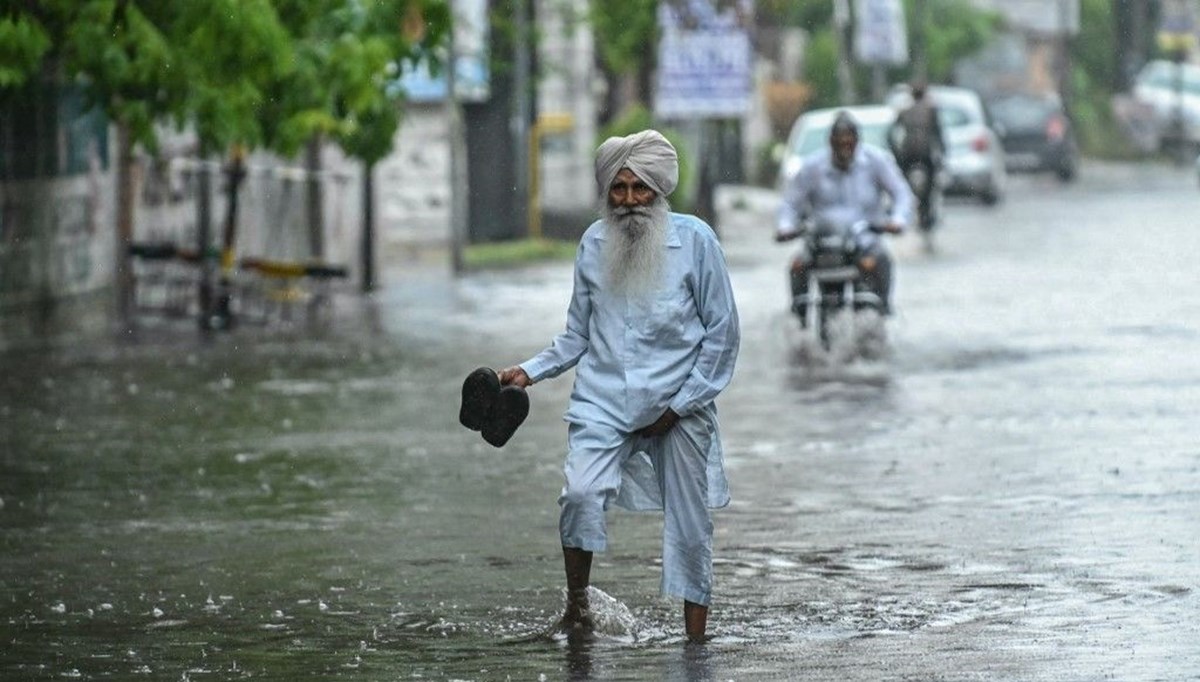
(1011, 493)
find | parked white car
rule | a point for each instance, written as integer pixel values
(974, 162)
(1172, 91)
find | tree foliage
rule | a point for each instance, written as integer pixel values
(952, 29)
(258, 73)
(1092, 48)
(945, 32)
(623, 30)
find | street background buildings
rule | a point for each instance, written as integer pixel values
(529, 135)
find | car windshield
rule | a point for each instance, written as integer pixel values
(1021, 112)
(1164, 76)
(814, 137)
(952, 117)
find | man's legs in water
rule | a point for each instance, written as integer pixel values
(681, 462)
(578, 564)
(593, 477)
(695, 621)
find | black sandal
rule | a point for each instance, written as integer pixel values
(479, 393)
(508, 412)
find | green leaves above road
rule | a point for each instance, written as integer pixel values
(258, 73)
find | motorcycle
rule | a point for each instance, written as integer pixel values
(836, 286)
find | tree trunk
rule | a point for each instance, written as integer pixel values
(315, 200)
(368, 228)
(204, 294)
(235, 173)
(126, 191)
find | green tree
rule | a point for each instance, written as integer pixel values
(943, 31)
(1093, 81)
(626, 34)
(946, 31)
(261, 73)
(250, 73)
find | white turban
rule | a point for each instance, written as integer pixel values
(648, 154)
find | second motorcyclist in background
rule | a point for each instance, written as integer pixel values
(844, 184)
(918, 143)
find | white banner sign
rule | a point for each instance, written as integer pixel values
(704, 58)
(703, 74)
(880, 36)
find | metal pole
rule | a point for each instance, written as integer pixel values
(520, 122)
(458, 158)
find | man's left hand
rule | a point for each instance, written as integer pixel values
(661, 425)
(892, 227)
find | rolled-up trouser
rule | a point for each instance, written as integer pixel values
(679, 459)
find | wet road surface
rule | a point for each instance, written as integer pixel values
(1012, 492)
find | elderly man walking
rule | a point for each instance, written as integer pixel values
(652, 330)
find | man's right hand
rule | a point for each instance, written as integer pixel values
(514, 376)
(786, 236)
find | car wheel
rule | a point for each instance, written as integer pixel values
(990, 196)
(1066, 172)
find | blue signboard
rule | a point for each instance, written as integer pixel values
(471, 76)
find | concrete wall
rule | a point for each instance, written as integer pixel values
(58, 245)
(568, 89)
(56, 260)
(414, 184)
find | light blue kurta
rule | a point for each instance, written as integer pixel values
(634, 357)
(871, 189)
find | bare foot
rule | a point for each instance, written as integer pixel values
(695, 622)
(577, 617)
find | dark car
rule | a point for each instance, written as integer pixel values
(1036, 133)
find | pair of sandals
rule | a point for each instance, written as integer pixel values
(493, 410)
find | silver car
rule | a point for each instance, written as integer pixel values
(1172, 91)
(974, 160)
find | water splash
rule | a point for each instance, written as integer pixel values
(610, 617)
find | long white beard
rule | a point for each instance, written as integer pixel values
(634, 252)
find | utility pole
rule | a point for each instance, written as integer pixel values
(841, 22)
(921, 17)
(1064, 52)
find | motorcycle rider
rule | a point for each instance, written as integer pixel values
(845, 184)
(920, 144)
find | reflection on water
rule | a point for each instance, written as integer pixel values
(1009, 492)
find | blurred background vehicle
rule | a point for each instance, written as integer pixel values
(1036, 133)
(810, 132)
(974, 163)
(1172, 90)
